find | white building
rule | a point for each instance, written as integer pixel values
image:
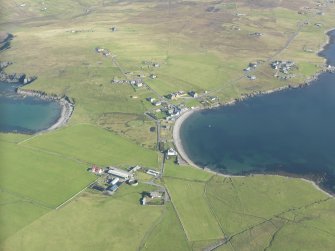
(172, 152)
(153, 172)
(119, 172)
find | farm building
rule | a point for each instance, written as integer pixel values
(112, 188)
(153, 172)
(114, 181)
(119, 172)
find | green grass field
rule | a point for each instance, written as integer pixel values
(91, 222)
(168, 234)
(33, 183)
(252, 212)
(91, 144)
(197, 49)
(193, 210)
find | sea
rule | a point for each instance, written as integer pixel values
(28, 115)
(290, 132)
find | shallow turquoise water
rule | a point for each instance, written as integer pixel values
(25, 115)
(289, 132)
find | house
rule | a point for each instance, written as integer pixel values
(153, 76)
(119, 173)
(193, 94)
(139, 84)
(252, 77)
(150, 99)
(172, 96)
(97, 170)
(156, 65)
(106, 53)
(134, 168)
(113, 29)
(171, 152)
(256, 34)
(158, 103)
(253, 65)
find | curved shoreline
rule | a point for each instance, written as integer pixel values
(184, 156)
(67, 107)
(176, 136)
(179, 121)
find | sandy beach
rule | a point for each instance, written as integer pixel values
(67, 110)
(176, 136)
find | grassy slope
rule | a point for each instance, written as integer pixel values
(197, 50)
(17, 212)
(91, 222)
(94, 145)
(39, 176)
(240, 203)
(29, 189)
(193, 210)
(168, 234)
(254, 212)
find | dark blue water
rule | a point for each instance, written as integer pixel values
(290, 132)
(25, 114)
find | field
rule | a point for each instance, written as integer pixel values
(200, 46)
(90, 144)
(33, 183)
(90, 223)
(253, 213)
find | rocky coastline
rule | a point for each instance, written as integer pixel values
(67, 106)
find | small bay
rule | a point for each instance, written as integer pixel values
(291, 132)
(25, 114)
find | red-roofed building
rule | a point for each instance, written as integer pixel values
(96, 170)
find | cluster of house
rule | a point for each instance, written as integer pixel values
(283, 66)
(114, 177)
(103, 51)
